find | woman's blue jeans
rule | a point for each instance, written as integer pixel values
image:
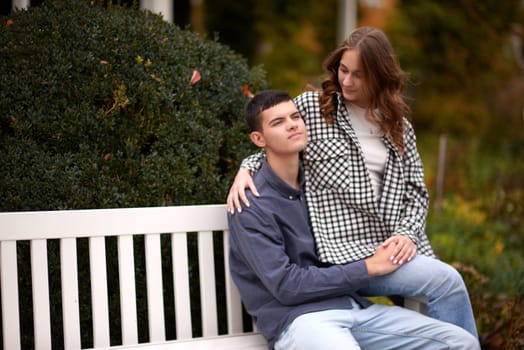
(440, 283)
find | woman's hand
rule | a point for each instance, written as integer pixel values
(237, 192)
(404, 251)
(380, 263)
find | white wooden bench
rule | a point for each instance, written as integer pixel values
(149, 227)
(179, 223)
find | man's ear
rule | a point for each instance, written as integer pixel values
(258, 138)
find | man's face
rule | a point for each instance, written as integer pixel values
(283, 129)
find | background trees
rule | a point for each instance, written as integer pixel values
(460, 57)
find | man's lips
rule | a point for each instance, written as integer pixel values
(295, 135)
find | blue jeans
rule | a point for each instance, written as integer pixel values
(440, 283)
(376, 327)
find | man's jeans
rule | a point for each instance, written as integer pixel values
(440, 283)
(375, 327)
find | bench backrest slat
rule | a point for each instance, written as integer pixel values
(181, 281)
(100, 307)
(70, 307)
(207, 283)
(39, 273)
(9, 282)
(155, 299)
(126, 271)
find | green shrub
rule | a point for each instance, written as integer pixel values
(98, 110)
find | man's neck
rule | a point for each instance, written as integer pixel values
(286, 168)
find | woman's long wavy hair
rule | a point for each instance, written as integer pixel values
(384, 82)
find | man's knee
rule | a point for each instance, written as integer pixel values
(328, 329)
(464, 340)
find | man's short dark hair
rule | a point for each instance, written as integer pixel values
(262, 101)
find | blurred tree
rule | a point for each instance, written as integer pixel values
(294, 40)
(455, 52)
(375, 13)
(288, 38)
(234, 23)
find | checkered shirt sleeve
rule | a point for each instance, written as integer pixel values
(253, 162)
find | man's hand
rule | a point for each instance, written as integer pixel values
(237, 192)
(380, 264)
(404, 251)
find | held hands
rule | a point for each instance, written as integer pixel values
(237, 192)
(380, 263)
(404, 249)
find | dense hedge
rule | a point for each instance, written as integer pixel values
(99, 109)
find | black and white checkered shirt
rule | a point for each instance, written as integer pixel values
(346, 220)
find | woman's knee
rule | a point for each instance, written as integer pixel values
(452, 276)
(443, 272)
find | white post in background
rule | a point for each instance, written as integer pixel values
(347, 20)
(163, 7)
(20, 4)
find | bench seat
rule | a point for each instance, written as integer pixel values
(247, 341)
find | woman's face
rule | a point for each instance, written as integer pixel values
(351, 79)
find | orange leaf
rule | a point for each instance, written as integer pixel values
(245, 90)
(195, 77)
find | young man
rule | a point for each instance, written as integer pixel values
(296, 301)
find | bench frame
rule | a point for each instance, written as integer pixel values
(96, 225)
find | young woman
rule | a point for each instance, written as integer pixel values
(364, 177)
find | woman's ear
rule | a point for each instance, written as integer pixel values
(258, 138)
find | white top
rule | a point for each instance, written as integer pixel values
(373, 148)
